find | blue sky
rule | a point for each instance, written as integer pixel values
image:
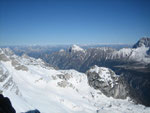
(73, 21)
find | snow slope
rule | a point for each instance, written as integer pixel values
(55, 91)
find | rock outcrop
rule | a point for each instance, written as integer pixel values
(5, 105)
(107, 82)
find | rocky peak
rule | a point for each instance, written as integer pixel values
(145, 41)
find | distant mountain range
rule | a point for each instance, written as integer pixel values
(37, 51)
(82, 59)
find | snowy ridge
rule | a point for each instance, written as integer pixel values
(57, 91)
(136, 54)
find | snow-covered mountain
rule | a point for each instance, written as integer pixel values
(75, 48)
(30, 85)
(138, 54)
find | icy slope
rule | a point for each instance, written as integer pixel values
(55, 91)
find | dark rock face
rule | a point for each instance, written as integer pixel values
(5, 105)
(148, 52)
(138, 83)
(143, 41)
(148, 66)
(108, 83)
(33, 111)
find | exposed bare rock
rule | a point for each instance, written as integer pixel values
(3, 57)
(21, 67)
(107, 81)
(64, 84)
(65, 76)
(15, 63)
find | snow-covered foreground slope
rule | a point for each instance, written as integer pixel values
(35, 86)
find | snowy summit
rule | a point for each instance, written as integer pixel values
(145, 41)
(76, 48)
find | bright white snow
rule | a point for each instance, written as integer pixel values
(137, 54)
(76, 48)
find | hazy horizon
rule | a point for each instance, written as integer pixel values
(90, 44)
